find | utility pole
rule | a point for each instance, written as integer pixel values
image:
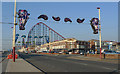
(99, 32)
(14, 32)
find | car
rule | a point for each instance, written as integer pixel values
(81, 53)
(33, 51)
(117, 52)
(91, 52)
(56, 52)
(26, 52)
(39, 51)
(44, 51)
(60, 52)
(110, 52)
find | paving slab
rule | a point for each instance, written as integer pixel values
(20, 65)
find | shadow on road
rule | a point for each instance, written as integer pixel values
(27, 56)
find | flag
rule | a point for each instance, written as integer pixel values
(23, 17)
(94, 24)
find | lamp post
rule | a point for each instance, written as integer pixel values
(99, 32)
(14, 32)
(49, 40)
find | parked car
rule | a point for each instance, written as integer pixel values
(60, 52)
(56, 52)
(25, 52)
(39, 51)
(33, 51)
(44, 51)
(91, 52)
(110, 52)
(81, 53)
(117, 52)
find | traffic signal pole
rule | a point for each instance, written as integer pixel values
(14, 32)
(99, 32)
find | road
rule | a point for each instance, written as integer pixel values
(48, 63)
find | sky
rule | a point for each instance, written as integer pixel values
(73, 10)
(61, 0)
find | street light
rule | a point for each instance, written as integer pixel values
(14, 32)
(99, 32)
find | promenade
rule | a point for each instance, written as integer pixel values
(20, 65)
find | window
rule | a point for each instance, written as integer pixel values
(82, 46)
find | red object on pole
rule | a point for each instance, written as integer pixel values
(13, 54)
(10, 56)
(98, 7)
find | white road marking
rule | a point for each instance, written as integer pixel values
(107, 68)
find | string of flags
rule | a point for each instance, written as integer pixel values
(45, 17)
(23, 17)
(94, 22)
(56, 18)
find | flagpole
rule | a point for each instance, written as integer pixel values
(14, 32)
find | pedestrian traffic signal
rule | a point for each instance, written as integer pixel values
(94, 22)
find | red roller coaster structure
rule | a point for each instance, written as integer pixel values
(40, 34)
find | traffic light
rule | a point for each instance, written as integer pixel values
(94, 22)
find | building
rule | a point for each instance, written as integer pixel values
(106, 45)
(118, 46)
(83, 46)
(66, 45)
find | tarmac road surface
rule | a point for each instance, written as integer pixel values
(48, 63)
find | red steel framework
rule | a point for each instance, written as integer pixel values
(41, 29)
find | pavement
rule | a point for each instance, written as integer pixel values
(20, 65)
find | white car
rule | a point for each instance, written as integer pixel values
(60, 52)
(26, 52)
(81, 53)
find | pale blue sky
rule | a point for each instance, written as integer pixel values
(73, 10)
